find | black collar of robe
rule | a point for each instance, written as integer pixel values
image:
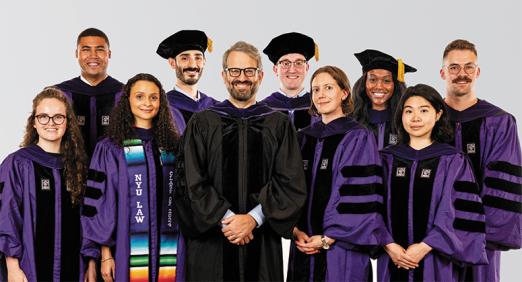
(143, 134)
(338, 126)
(379, 116)
(434, 150)
(481, 109)
(226, 108)
(108, 85)
(280, 100)
(38, 155)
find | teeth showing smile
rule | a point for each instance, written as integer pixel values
(379, 94)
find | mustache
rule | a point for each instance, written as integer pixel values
(191, 69)
(236, 82)
(462, 79)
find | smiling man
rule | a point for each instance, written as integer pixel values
(241, 181)
(290, 53)
(185, 52)
(488, 135)
(94, 92)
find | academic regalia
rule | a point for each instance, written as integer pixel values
(38, 223)
(296, 108)
(345, 195)
(236, 159)
(128, 207)
(92, 106)
(432, 197)
(183, 107)
(380, 123)
(488, 135)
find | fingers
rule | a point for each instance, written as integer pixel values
(228, 220)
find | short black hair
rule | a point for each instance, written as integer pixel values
(93, 32)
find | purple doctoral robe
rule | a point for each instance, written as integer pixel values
(183, 107)
(92, 106)
(296, 108)
(345, 195)
(380, 124)
(432, 197)
(488, 135)
(38, 223)
(106, 210)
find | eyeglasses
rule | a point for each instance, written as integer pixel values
(468, 68)
(44, 119)
(286, 64)
(236, 72)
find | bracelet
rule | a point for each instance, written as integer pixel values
(104, 260)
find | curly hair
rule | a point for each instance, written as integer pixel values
(362, 102)
(342, 81)
(71, 147)
(122, 119)
(442, 131)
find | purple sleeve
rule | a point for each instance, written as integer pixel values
(353, 215)
(11, 190)
(458, 229)
(99, 208)
(501, 186)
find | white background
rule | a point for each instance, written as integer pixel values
(38, 41)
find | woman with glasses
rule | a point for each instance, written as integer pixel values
(433, 212)
(127, 216)
(342, 220)
(41, 186)
(377, 93)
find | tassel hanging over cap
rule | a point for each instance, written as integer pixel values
(400, 70)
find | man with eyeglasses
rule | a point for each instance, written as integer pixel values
(241, 183)
(488, 135)
(185, 52)
(94, 93)
(290, 53)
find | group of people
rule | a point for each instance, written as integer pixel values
(127, 182)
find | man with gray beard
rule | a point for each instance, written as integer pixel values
(185, 52)
(241, 182)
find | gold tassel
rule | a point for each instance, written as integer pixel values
(400, 70)
(209, 45)
(316, 52)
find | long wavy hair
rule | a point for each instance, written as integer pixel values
(442, 131)
(362, 103)
(342, 81)
(122, 119)
(71, 147)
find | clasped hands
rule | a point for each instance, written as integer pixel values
(238, 228)
(407, 258)
(309, 245)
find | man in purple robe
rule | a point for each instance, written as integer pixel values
(290, 53)
(94, 93)
(488, 135)
(185, 52)
(241, 181)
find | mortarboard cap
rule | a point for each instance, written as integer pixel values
(292, 42)
(182, 41)
(373, 59)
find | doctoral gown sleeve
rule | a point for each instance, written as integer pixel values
(99, 210)
(283, 198)
(12, 179)
(459, 223)
(354, 212)
(502, 190)
(199, 205)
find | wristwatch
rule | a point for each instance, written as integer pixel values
(325, 245)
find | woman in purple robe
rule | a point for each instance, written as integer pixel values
(433, 212)
(127, 216)
(40, 190)
(342, 220)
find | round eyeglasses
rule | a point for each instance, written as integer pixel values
(286, 64)
(468, 68)
(44, 119)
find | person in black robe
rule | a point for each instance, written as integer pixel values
(41, 186)
(488, 135)
(290, 53)
(241, 182)
(185, 52)
(94, 93)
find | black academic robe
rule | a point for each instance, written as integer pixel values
(237, 159)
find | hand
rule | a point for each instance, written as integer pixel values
(398, 255)
(107, 264)
(311, 246)
(418, 251)
(90, 273)
(238, 228)
(300, 238)
(14, 272)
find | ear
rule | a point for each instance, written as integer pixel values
(442, 74)
(110, 53)
(275, 68)
(172, 63)
(76, 53)
(260, 75)
(223, 75)
(478, 72)
(438, 115)
(345, 95)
